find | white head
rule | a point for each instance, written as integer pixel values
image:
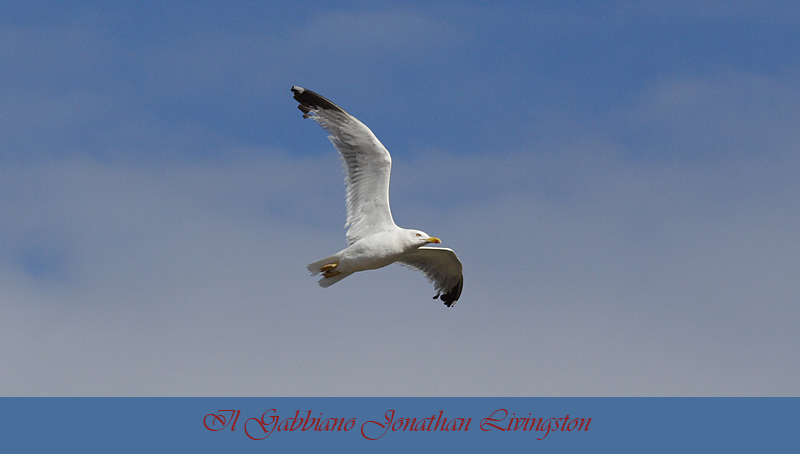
(420, 238)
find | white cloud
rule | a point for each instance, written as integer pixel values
(717, 117)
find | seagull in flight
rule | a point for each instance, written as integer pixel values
(374, 240)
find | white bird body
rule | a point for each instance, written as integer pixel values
(370, 253)
(374, 239)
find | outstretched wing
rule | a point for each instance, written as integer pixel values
(442, 267)
(366, 161)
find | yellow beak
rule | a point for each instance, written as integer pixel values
(433, 239)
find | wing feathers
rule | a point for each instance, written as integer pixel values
(442, 267)
(310, 100)
(366, 161)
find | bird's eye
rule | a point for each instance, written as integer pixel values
(419, 235)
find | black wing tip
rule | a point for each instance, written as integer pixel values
(449, 299)
(310, 100)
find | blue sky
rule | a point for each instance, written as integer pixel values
(619, 179)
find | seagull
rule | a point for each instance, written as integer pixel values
(374, 239)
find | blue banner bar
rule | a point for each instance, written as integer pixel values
(399, 424)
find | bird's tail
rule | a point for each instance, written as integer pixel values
(314, 269)
(328, 281)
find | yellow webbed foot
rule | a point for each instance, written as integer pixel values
(328, 270)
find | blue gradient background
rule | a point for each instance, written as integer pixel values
(619, 179)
